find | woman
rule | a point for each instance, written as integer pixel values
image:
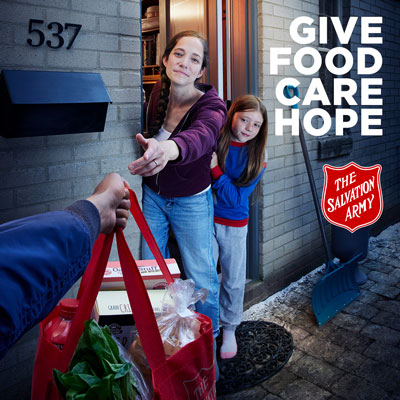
(184, 119)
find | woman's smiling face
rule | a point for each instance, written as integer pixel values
(246, 125)
(183, 65)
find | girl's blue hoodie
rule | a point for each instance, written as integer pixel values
(231, 202)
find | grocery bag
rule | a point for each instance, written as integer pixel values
(188, 374)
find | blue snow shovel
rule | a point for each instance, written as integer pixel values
(337, 288)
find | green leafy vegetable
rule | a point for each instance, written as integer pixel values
(96, 371)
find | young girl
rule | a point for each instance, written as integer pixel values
(236, 169)
(184, 118)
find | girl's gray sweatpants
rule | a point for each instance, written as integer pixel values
(230, 247)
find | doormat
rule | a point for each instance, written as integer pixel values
(263, 349)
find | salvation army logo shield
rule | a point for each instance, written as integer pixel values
(352, 195)
(202, 386)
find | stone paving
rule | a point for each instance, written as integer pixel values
(355, 355)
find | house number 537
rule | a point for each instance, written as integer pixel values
(55, 30)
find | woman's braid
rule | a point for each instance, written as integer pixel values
(162, 103)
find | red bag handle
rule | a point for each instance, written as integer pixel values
(90, 286)
(142, 309)
(96, 261)
(144, 228)
(137, 293)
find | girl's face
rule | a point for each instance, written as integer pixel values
(183, 65)
(246, 125)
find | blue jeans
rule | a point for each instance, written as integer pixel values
(191, 219)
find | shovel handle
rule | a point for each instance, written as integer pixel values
(289, 92)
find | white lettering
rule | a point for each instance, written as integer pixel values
(362, 53)
(367, 30)
(274, 59)
(293, 121)
(366, 121)
(327, 122)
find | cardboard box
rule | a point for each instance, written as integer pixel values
(149, 269)
(112, 308)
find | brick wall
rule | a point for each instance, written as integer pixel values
(49, 172)
(291, 243)
(289, 229)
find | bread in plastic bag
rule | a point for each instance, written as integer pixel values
(178, 324)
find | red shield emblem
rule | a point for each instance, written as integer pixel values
(352, 196)
(202, 386)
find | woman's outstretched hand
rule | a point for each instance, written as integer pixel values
(155, 158)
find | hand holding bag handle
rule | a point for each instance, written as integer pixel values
(93, 276)
(137, 292)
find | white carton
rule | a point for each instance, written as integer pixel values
(149, 269)
(112, 308)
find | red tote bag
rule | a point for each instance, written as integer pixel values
(188, 374)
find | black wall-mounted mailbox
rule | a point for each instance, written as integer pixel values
(38, 103)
